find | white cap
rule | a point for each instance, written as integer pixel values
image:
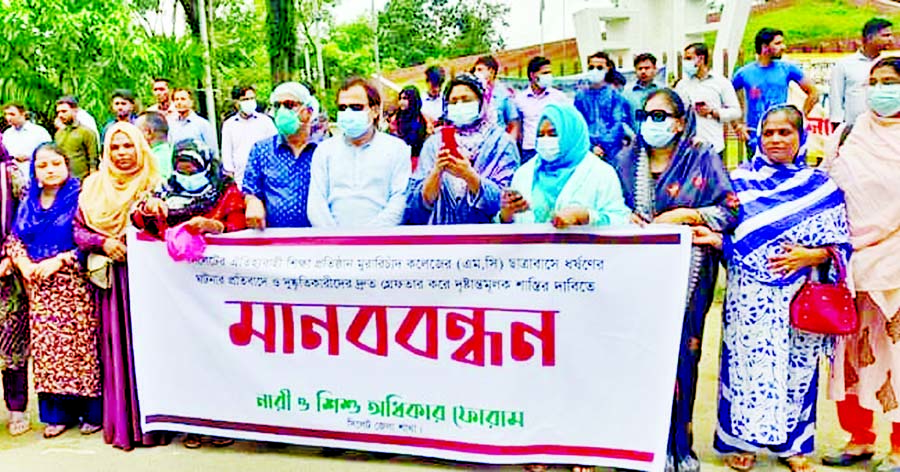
(291, 91)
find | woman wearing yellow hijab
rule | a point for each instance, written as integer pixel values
(127, 173)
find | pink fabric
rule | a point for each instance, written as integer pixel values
(184, 245)
(867, 168)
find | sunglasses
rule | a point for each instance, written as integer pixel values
(289, 104)
(354, 107)
(656, 115)
(596, 67)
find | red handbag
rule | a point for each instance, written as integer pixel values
(825, 308)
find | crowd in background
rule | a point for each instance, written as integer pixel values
(473, 151)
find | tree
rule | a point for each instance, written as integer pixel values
(79, 47)
(413, 31)
(282, 26)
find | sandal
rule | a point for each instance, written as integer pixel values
(192, 441)
(798, 463)
(54, 430)
(18, 424)
(740, 461)
(221, 442)
(87, 429)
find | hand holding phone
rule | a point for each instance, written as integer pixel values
(448, 140)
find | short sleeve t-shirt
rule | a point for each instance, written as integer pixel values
(765, 87)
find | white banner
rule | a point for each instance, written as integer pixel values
(500, 344)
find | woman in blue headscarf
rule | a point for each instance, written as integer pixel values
(669, 177)
(790, 215)
(64, 325)
(566, 185)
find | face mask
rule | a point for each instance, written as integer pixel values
(547, 148)
(690, 69)
(545, 80)
(354, 123)
(286, 121)
(462, 114)
(596, 76)
(884, 100)
(247, 106)
(192, 183)
(658, 135)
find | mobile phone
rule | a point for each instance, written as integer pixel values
(448, 140)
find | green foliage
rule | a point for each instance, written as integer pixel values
(812, 22)
(411, 32)
(78, 47)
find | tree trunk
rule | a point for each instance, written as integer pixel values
(191, 15)
(282, 24)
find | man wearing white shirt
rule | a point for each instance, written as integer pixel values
(713, 97)
(359, 179)
(241, 132)
(850, 75)
(433, 101)
(23, 136)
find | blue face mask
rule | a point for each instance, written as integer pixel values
(884, 100)
(690, 68)
(354, 123)
(658, 134)
(192, 183)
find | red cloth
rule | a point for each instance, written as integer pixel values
(229, 211)
(859, 422)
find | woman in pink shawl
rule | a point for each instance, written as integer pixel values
(865, 163)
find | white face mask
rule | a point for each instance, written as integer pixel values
(545, 80)
(464, 113)
(547, 148)
(247, 106)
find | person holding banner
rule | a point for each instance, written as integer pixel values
(359, 179)
(566, 185)
(64, 326)
(198, 195)
(791, 217)
(459, 180)
(866, 166)
(127, 173)
(670, 177)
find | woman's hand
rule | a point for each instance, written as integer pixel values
(637, 220)
(511, 202)
(6, 266)
(46, 268)
(703, 236)
(201, 225)
(461, 167)
(680, 216)
(156, 207)
(795, 258)
(571, 216)
(26, 268)
(115, 249)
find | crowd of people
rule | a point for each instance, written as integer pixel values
(473, 151)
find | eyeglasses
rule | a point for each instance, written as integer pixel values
(656, 115)
(289, 104)
(596, 67)
(354, 107)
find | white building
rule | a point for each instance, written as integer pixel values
(661, 27)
